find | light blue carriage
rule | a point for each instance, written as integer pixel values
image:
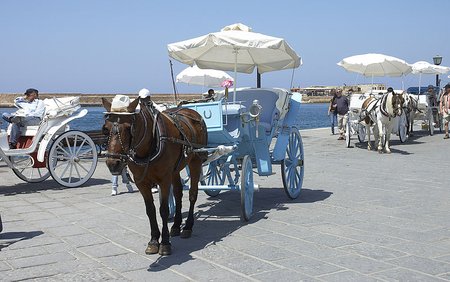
(259, 129)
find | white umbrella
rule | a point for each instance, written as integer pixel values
(422, 67)
(203, 77)
(375, 65)
(236, 48)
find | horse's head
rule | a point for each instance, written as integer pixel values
(118, 127)
(398, 102)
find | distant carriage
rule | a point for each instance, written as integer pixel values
(424, 109)
(51, 148)
(361, 118)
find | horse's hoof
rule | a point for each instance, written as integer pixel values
(387, 151)
(152, 248)
(174, 232)
(186, 233)
(165, 250)
(380, 151)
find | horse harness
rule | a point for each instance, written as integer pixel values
(383, 109)
(159, 138)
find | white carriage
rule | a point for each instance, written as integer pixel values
(422, 114)
(356, 126)
(50, 148)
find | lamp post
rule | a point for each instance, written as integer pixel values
(437, 60)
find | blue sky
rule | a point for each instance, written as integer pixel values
(110, 46)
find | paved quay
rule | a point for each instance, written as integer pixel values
(362, 216)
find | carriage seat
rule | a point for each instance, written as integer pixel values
(61, 106)
(30, 130)
(268, 99)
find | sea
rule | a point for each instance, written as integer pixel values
(311, 116)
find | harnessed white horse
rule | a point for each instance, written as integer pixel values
(382, 113)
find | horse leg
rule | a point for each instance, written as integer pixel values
(369, 146)
(153, 245)
(387, 138)
(380, 136)
(165, 247)
(195, 167)
(178, 194)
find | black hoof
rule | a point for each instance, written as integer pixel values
(165, 250)
(152, 248)
(186, 233)
(174, 232)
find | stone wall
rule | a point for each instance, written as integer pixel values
(6, 100)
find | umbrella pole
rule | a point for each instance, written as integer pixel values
(258, 79)
(371, 88)
(420, 82)
(235, 74)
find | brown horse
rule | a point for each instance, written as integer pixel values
(156, 146)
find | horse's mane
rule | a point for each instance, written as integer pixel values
(388, 104)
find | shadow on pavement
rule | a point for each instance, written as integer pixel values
(10, 238)
(49, 184)
(220, 217)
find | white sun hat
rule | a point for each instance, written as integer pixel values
(119, 104)
(144, 92)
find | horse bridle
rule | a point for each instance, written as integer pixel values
(131, 154)
(123, 157)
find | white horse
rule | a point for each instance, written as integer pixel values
(389, 107)
(368, 118)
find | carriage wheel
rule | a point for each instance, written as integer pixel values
(25, 169)
(72, 158)
(172, 205)
(431, 127)
(348, 133)
(403, 128)
(247, 189)
(361, 133)
(292, 167)
(213, 176)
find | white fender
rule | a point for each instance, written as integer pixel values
(49, 135)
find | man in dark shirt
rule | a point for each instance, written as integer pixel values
(342, 104)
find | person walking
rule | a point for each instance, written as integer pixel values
(445, 108)
(342, 106)
(125, 180)
(433, 103)
(332, 113)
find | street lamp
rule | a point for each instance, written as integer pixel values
(437, 60)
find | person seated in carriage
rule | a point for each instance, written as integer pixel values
(30, 112)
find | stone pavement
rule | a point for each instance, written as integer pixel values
(362, 216)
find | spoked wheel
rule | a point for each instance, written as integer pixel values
(72, 158)
(348, 133)
(172, 204)
(403, 128)
(26, 169)
(431, 127)
(361, 133)
(247, 189)
(212, 176)
(292, 167)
